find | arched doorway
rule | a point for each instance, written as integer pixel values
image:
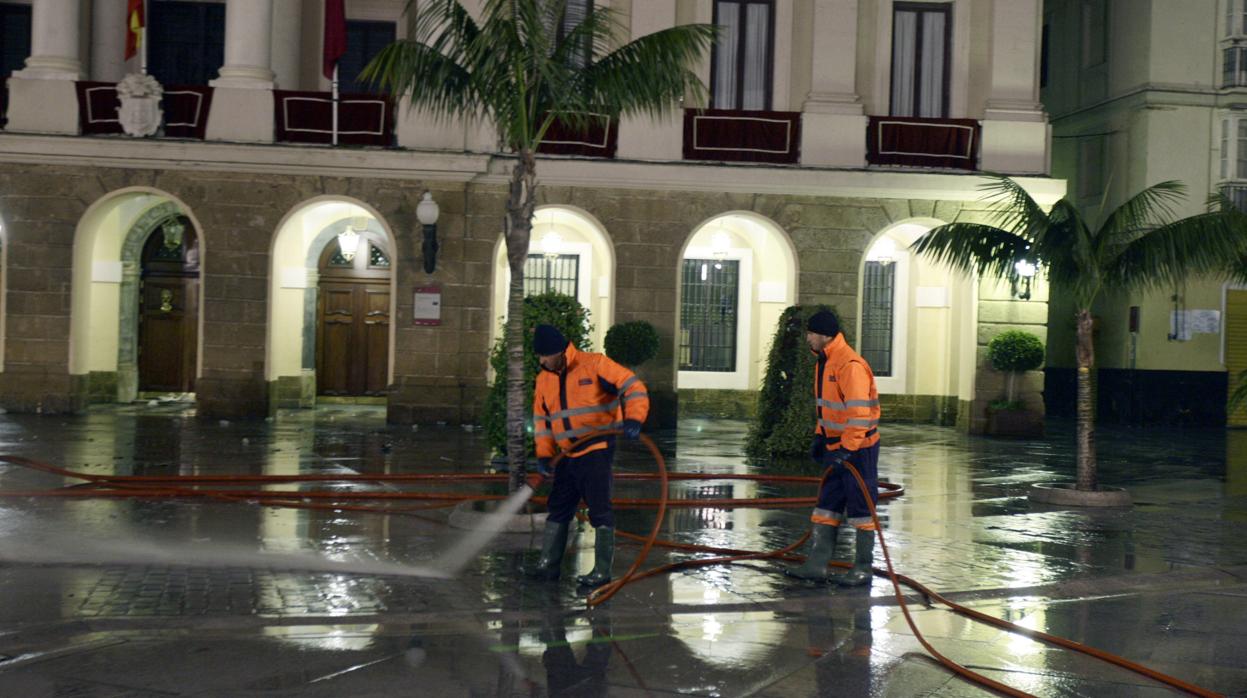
(168, 326)
(353, 319)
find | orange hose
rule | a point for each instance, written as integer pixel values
(144, 486)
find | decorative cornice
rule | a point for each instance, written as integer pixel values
(481, 168)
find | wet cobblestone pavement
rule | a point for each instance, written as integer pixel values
(88, 609)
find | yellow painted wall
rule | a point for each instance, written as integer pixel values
(95, 305)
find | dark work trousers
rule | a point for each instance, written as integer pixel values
(841, 494)
(586, 477)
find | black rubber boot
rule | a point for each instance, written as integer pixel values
(603, 557)
(818, 554)
(863, 557)
(552, 548)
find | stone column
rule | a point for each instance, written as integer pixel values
(287, 42)
(242, 104)
(108, 41)
(642, 137)
(54, 41)
(42, 97)
(833, 120)
(1015, 128)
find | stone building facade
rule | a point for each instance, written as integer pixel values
(76, 211)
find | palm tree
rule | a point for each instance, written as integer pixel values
(524, 66)
(1136, 247)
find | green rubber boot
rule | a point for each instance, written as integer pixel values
(603, 557)
(552, 548)
(863, 557)
(822, 547)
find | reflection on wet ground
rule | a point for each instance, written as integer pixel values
(1163, 583)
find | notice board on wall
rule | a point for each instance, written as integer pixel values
(427, 306)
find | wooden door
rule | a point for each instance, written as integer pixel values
(353, 320)
(168, 336)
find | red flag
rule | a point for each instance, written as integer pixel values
(335, 34)
(135, 21)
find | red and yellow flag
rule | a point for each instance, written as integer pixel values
(135, 21)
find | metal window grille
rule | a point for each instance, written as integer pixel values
(561, 274)
(878, 311)
(708, 313)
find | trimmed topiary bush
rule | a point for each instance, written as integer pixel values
(550, 308)
(1014, 352)
(785, 420)
(632, 343)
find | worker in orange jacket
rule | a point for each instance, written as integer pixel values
(579, 393)
(847, 431)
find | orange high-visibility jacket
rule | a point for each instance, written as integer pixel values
(847, 402)
(591, 393)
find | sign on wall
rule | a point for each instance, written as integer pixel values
(427, 306)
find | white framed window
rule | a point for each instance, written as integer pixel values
(707, 368)
(883, 329)
(1233, 157)
(921, 55)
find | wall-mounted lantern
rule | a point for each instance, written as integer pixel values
(348, 240)
(427, 213)
(1021, 282)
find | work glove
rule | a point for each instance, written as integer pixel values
(631, 429)
(538, 478)
(818, 449)
(838, 456)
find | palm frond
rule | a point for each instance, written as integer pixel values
(974, 247)
(1143, 212)
(1013, 208)
(650, 74)
(1165, 256)
(425, 77)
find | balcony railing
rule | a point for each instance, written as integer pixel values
(742, 136)
(185, 110)
(599, 138)
(917, 142)
(307, 117)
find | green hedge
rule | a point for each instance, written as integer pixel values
(550, 308)
(632, 343)
(785, 420)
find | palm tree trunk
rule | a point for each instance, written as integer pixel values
(521, 199)
(1086, 410)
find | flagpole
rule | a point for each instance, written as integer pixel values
(335, 103)
(143, 42)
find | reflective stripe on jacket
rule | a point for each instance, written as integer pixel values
(845, 397)
(591, 393)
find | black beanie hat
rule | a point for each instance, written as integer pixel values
(548, 340)
(824, 322)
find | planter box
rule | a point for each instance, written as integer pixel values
(1015, 423)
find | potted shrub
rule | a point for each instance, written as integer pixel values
(632, 343)
(1014, 352)
(784, 422)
